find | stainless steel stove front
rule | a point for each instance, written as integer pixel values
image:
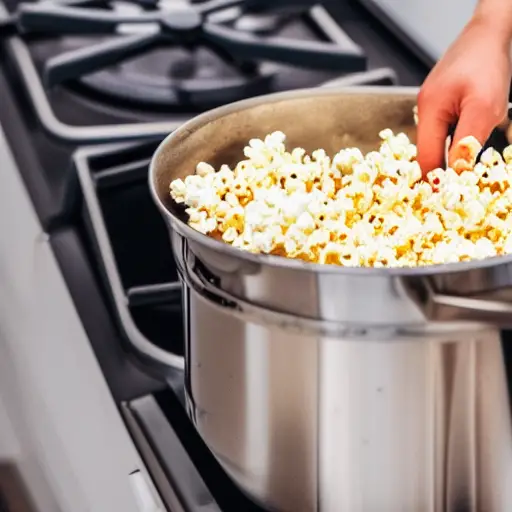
(61, 433)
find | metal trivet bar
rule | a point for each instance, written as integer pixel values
(103, 167)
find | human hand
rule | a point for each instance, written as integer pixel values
(469, 86)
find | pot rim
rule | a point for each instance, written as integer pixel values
(281, 261)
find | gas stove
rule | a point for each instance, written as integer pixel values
(89, 88)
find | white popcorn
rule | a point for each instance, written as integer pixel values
(344, 161)
(200, 221)
(507, 154)
(484, 248)
(306, 223)
(354, 209)
(203, 169)
(507, 245)
(490, 158)
(178, 190)
(230, 235)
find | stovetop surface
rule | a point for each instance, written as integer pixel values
(105, 188)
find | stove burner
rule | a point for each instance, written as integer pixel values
(185, 21)
(196, 79)
(186, 57)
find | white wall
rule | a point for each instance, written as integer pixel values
(431, 24)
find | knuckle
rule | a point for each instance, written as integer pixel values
(491, 108)
(435, 97)
(424, 97)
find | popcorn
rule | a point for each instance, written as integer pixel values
(507, 154)
(230, 235)
(178, 190)
(465, 154)
(344, 161)
(200, 221)
(352, 210)
(203, 169)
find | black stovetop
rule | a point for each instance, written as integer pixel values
(100, 193)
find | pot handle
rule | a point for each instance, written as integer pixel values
(451, 308)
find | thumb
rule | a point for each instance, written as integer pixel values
(433, 124)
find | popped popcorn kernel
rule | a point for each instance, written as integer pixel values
(507, 155)
(352, 210)
(465, 154)
(203, 169)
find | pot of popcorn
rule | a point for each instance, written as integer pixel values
(342, 314)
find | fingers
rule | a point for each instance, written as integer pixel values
(477, 120)
(434, 119)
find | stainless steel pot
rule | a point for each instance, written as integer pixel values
(328, 389)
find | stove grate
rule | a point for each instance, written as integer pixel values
(253, 55)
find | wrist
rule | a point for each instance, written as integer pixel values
(496, 17)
